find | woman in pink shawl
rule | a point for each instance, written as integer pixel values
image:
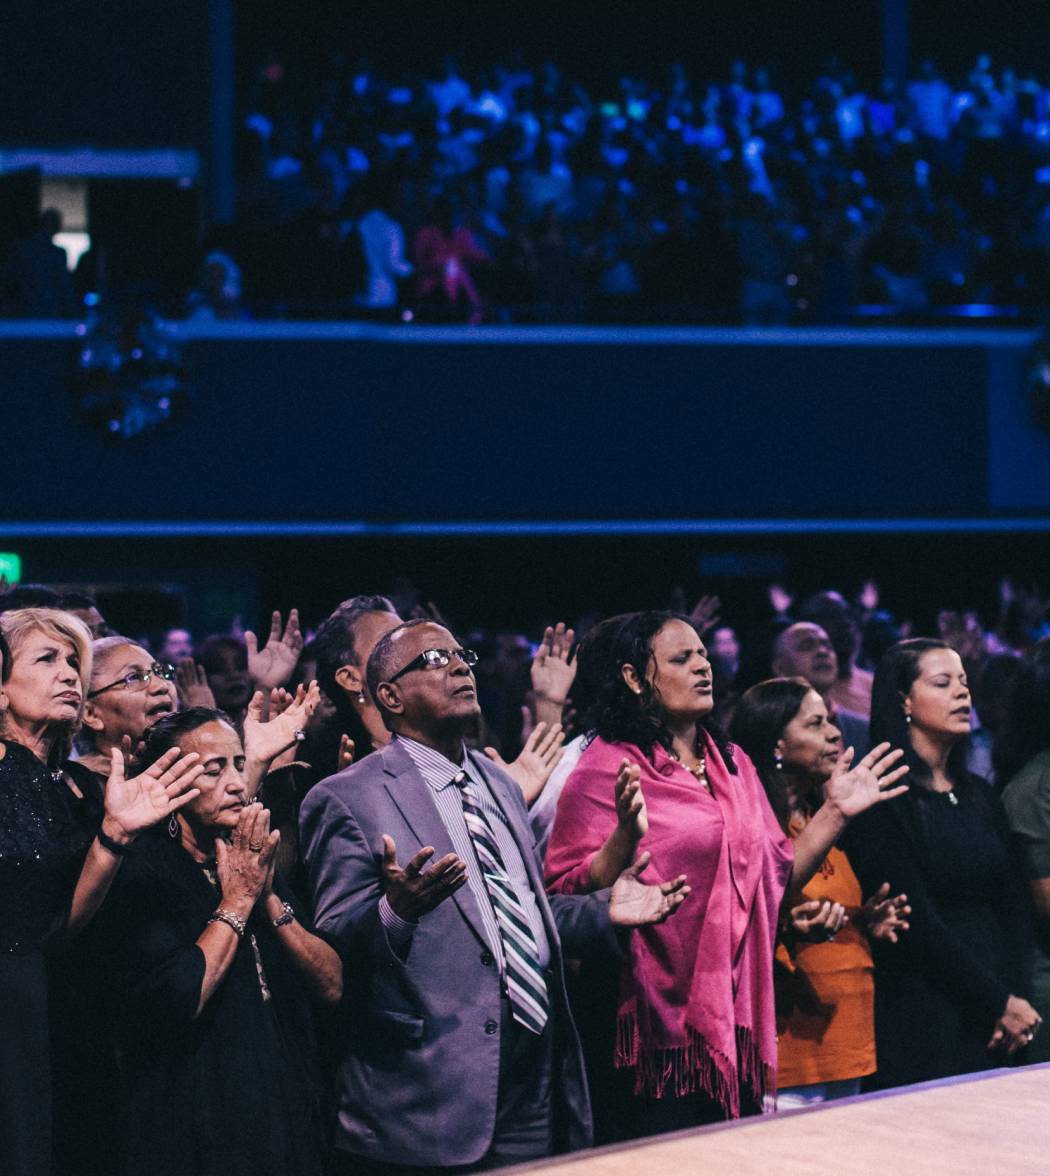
(696, 1026)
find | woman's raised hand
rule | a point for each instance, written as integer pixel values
(884, 915)
(244, 864)
(854, 790)
(136, 803)
(265, 739)
(632, 817)
(275, 663)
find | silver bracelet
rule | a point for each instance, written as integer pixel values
(286, 916)
(231, 920)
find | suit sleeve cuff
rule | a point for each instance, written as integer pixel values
(398, 931)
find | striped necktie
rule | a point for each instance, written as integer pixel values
(526, 988)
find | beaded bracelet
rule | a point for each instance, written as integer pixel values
(231, 920)
(286, 916)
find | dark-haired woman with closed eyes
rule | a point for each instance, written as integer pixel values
(696, 1021)
(950, 998)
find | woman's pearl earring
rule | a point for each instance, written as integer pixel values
(778, 761)
(907, 719)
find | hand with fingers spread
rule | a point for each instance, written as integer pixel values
(633, 903)
(274, 664)
(817, 919)
(706, 614)
(632, 816)
(413, 891)
(244, 864)
(133, 804)
(191, 682)
(854, 790)
(265, 739)
(885, 916)
(539, 757)
(553, 671)
(1017, 1025)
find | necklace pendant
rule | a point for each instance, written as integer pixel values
(952, 798)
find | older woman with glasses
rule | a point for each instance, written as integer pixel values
(62, 841)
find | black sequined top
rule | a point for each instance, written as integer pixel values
(45, 829)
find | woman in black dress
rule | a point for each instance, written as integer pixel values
(948, 996)
(61, 845)
(213, 969)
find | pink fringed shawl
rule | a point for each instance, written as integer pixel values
(696, 1000)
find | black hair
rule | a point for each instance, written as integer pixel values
(29, 596)
(5, 656)
(209, 652)
(758, 723)
(334, 645)
(1026, 731)
(166, 732)
(894, 676)
(72, 600)
(382, 663)
(619, 715)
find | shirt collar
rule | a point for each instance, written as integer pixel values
(436, 769)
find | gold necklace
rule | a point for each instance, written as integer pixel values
(698, 770)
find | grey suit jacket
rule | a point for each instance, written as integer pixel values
(418, 1079)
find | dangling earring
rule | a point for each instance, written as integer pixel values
(778, 761)
(361, 696)
(173, 827)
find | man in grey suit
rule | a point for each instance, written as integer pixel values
(460, 1049)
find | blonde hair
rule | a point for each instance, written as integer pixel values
(19, 623)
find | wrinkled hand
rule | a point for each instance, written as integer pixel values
(191, 682)
(1017, 1026)
(818, 920)
(632, 816)
(414, 892)
(245, 864)
(854, 791)
(539, 757)
(265, 739)
(134, 804)
(706, 614)
(633, 903)
(274, 664)
(885, 916)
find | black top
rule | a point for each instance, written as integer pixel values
(45, 829)
(234, 1090)
(940, 990)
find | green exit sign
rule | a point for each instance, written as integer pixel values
(10, 566)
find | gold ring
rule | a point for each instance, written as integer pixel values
(255, 848)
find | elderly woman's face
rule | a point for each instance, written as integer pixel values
(223, 790)
(810, 744)
(679, 672)
(124, 708)
(44, 686)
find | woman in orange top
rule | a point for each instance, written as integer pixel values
(825, 985)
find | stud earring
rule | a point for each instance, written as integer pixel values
(907, 719)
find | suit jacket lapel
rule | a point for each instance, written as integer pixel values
(413, 798)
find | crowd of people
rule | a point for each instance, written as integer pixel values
(375, 898)
(518, 193)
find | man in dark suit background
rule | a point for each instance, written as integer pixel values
(460, 1049)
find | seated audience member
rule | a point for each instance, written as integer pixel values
(825, 981)
(852, 689)
(225, 663)
(804, 650)
(696, 1023)
(63, 839)
(950, 996)
(460, 1048)
(213, 967)
(1022, 758)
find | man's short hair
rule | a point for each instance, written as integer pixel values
(382, 663)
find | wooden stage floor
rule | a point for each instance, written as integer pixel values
(992, 1124)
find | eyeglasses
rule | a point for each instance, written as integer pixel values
(139, 679)
(433, 659)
